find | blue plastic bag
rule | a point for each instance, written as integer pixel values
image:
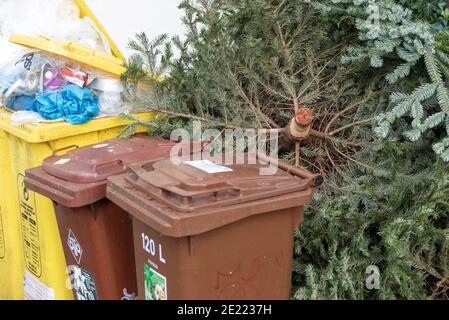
(73, 104)
(20, 103)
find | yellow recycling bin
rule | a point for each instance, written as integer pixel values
(32, 263)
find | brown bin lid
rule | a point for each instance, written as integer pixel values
(192, 198)
(79, 177)
(195, 185)
(98, 162)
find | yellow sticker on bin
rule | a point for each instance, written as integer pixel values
(72, 50)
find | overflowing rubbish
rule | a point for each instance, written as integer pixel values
(58, 88)
(57, 19)
(52, 78)
(43, 73)
(29, 74)
(76, 77)
(57, 63)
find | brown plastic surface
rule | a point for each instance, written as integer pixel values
(186, 188)
(104, 234)
(79, 177)
(98, 162)
(237, 245)
(76, 182)
(158, 208)
(247, 260)
(69, 194)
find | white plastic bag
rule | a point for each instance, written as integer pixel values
(59, 19)
(25, 117)
(110, 94)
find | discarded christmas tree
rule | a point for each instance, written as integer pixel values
(378, 89)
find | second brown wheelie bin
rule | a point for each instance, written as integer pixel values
(96, 234)
(204, 231)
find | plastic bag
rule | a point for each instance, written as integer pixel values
(19, 103)
(37, 73)
(73, 104)
(10, 51)
(26, 117)
(111, 104)
(58, 19)
(30, 74)
(9, 54)
(110, 93)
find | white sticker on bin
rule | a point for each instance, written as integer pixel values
(62, 162)
(36, 290)
(100, 146)
(208, 166)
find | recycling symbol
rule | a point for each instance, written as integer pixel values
(75, 247)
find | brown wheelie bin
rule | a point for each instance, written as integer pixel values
(204, 231)
(96, 234)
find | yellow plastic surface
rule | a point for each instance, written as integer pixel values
(73, 51)
(86, 12)
(78, 52)
(29, 236)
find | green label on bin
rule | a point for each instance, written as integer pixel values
(83, 283)
(155, 284)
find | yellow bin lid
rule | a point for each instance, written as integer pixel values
(75, 51)
(72, 50)
(86, 12)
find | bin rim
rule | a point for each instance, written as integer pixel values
(152, 203)
(186, 188)
(75, 177)
(170, 223)
(59, 129)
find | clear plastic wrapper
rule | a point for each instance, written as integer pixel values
(35, 81)
(30, 74)
(59, 19)
(110, 93)
(26, 117)
(27, 79)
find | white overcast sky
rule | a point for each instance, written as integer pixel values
(123, 19)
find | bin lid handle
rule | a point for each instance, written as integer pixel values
(171, 189)
(113, 163)
(157, 180)
(57, 151)
(80, 49)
